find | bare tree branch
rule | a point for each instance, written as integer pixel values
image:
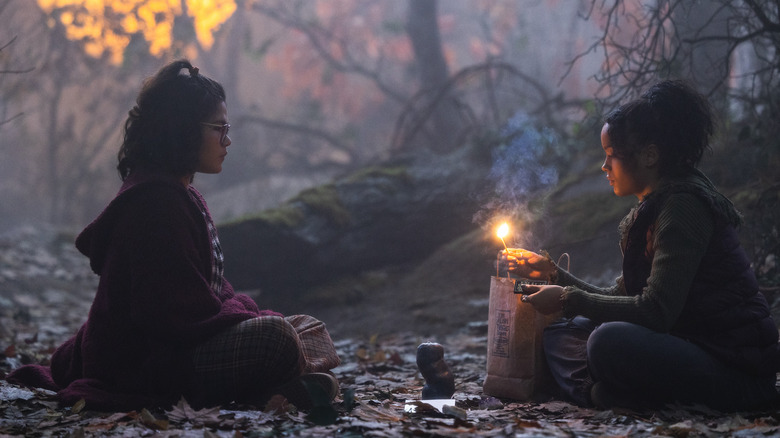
(769, 25)
(641, 48)
(417, 112)
(321, 38)
(301, 129)
(5, 46)
(10, 119)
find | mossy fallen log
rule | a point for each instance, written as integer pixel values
(391, 214)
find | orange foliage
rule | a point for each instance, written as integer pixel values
(106, 26)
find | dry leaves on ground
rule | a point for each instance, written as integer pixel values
(378, 379)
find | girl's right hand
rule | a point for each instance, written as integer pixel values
(528, 264)
(546, 299)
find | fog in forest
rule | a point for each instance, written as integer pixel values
(315, 89)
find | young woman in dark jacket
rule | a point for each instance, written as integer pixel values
(165, 323)
(685, 321)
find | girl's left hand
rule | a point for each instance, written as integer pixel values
(528, 264)
(545, 298)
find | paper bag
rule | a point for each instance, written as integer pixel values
(515, 360)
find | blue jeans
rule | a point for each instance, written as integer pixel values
(648, 367)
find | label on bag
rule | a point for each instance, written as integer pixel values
(501, 338)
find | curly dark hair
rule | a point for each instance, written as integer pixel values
(162, 131)
(670, 115)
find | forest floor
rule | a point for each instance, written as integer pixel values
(46, 290)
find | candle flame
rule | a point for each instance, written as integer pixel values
(503, 230)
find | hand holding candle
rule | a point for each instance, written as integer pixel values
(528, 264)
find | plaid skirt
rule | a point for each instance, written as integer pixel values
(259, 354)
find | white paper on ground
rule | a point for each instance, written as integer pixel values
(437, 403)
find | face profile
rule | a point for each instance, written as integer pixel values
(216, 140)
(626, 176)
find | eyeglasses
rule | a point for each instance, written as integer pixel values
(223, 129)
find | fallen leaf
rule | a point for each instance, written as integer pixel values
(376, 413)
(78, 406)
(276, 404)
(149, 420)
(395, 359)
(183, 412)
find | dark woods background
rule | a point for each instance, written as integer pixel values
(414, 118)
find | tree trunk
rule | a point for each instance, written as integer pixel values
(439, 106)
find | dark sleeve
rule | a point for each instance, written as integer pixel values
(683, 229)
(566, 278)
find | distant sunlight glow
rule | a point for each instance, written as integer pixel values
(106, 26)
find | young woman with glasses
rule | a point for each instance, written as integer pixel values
(165, 323)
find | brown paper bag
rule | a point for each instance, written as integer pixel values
(515, 361)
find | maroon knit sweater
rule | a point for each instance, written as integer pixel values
(152, 251)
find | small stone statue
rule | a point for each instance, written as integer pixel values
(439, 381)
